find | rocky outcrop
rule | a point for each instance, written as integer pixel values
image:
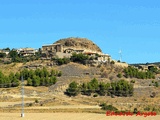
(80, 43)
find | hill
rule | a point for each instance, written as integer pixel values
(81, 43)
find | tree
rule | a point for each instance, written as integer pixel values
(46, 73)
(13, 55)
(73, 89)
(53, 80)
(94, 85)
(29, 82)
(103, 88)
(47, 81)
(121, 88)
(84, 89)
(2, 55)
(7, 82)
(36, 81)
(1, 79)
(15, 82)
(17, 75)
(80, 58)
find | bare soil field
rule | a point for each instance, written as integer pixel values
(70, 116)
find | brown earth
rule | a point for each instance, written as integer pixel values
(81, 43)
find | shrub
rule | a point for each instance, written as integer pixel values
(135, 111)
(153, 95)
(156, 84)
(147, 108)
(36, 101)
(132, 81)
(95, 95)
(108, 107)
(119, 75)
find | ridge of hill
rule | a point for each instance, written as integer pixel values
(81, 43)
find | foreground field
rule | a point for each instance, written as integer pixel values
(69, 116)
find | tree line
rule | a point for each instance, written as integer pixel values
(38, 77)
(134, 72)
(117, 88)
(12, 80)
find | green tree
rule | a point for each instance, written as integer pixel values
(13, 55)
(73, 89)
(15, 82)
(36, 81)
(46, 73)
(29, 82)
(53, 80)
(17, 75)
(1, 79)
(2, 55)
(103, 88)
(7, 82)
(94, 85)
(80, 58)
(47, 81)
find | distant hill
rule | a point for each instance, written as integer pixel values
(154, 63)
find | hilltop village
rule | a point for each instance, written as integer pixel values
(75, 71)
(60, 51)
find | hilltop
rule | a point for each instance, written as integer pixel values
(79, 43)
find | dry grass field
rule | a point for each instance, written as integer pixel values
(69, 116)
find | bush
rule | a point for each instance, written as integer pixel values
(80, 58)
(132, 81)
(36, 101)
(147, 108)
(119, 75)
(108, 107)
(156, 84)
(95, 95)
(135, 111)
(153, 95)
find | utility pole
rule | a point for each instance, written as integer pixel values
(22, 92)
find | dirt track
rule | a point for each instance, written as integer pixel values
(69, 116)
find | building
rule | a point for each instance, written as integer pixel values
(59, 51)
(26, 51)
(50, 51)
(4, 51)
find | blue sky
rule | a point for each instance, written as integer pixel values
(130, 25)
